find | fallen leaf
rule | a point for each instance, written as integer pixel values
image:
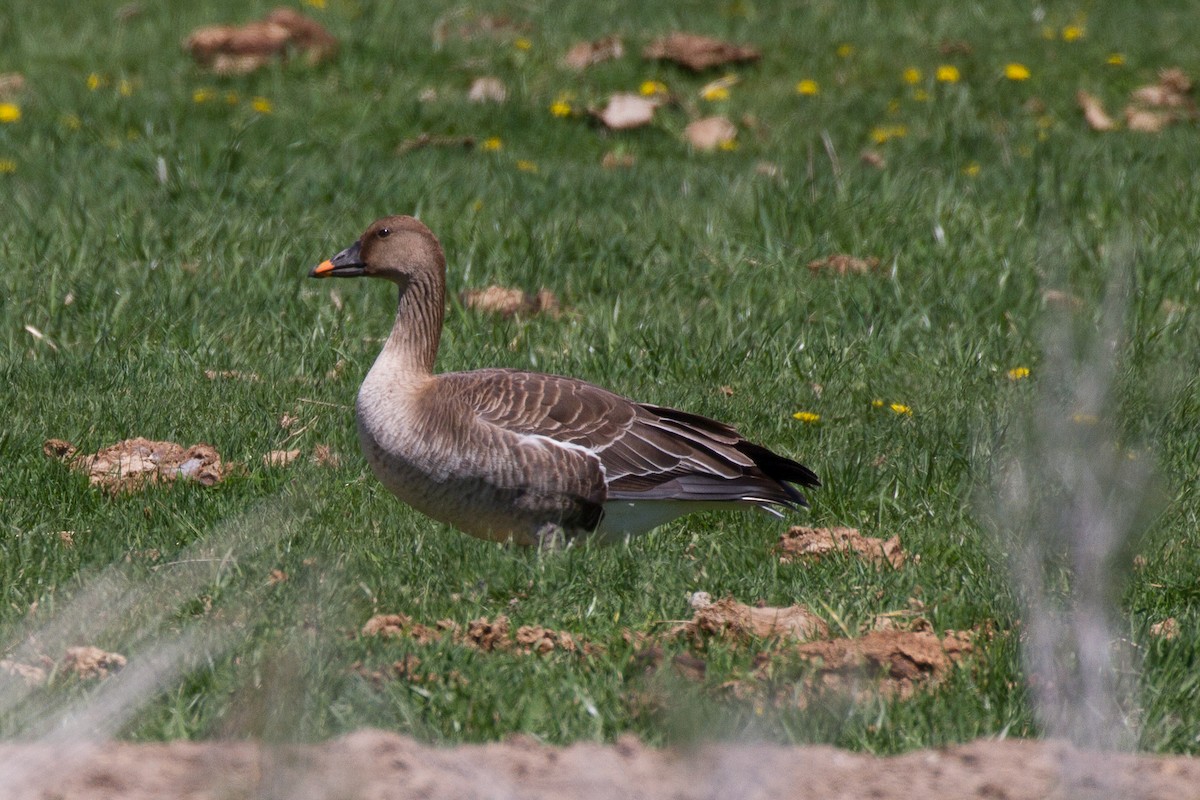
(698, 53)
(710, 133)
(840, 264)
(729, 618)
(239, 49)
(487, 90)
(584, 54)
(92, 662)
(510, 302)
(800, 542)
(626, 110)
(1093, 112)
(280, 458)
(129, 464)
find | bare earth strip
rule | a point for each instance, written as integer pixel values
(381, 766)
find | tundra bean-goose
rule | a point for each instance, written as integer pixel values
(520, 456)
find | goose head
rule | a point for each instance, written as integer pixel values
(398, 249)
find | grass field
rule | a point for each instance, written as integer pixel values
(157, 222)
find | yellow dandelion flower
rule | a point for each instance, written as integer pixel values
(203, 95)
(1115, 59)
(972, 169)
(94, 81)
(527, 166)
(715, 93)
(10, 113)
(1018, 373)
(315, 3)
(883, 133)
(912, 76)
(877, 403)
(652, 88)
(1016, 72)
(124, 88)
(7, 166)
(947, 73)
(262, 105)
(808, 87)
(900, 408)
(807, 417)
(845, 50)
(560, 108)
(522, 44)
(492, 144)
(920, 95)
(1072, 33)
(71, 121)
(728, 144)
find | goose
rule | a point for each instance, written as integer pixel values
(526, 457)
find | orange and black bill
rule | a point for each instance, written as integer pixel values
(346, 264)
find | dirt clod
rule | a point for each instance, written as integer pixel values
(730, 619)
(132, 463)
(239, 49)
(800, 542)
(842, 264)
(899, 659)
(584, 54)
(509, 302)
(92, 662)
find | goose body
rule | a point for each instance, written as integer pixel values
(527, 457)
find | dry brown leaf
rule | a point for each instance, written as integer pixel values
(729, 618)
(11, 84)
(710, 133)
(280, 458)
(510, 302)
(1166, 629)
(430, 140)
(239, 49)
(584, 54)
(625, 111)
(615, 160)
(698, 53)
(841, 264)
(130, 464)
(487, 89)
(800, 542)
(92, 662)
(1093, 112)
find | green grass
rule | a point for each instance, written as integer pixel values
(683, 274)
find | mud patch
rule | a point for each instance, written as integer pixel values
(897, 661)
(800, 543)
(131, 464)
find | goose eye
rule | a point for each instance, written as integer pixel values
(383, 233)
